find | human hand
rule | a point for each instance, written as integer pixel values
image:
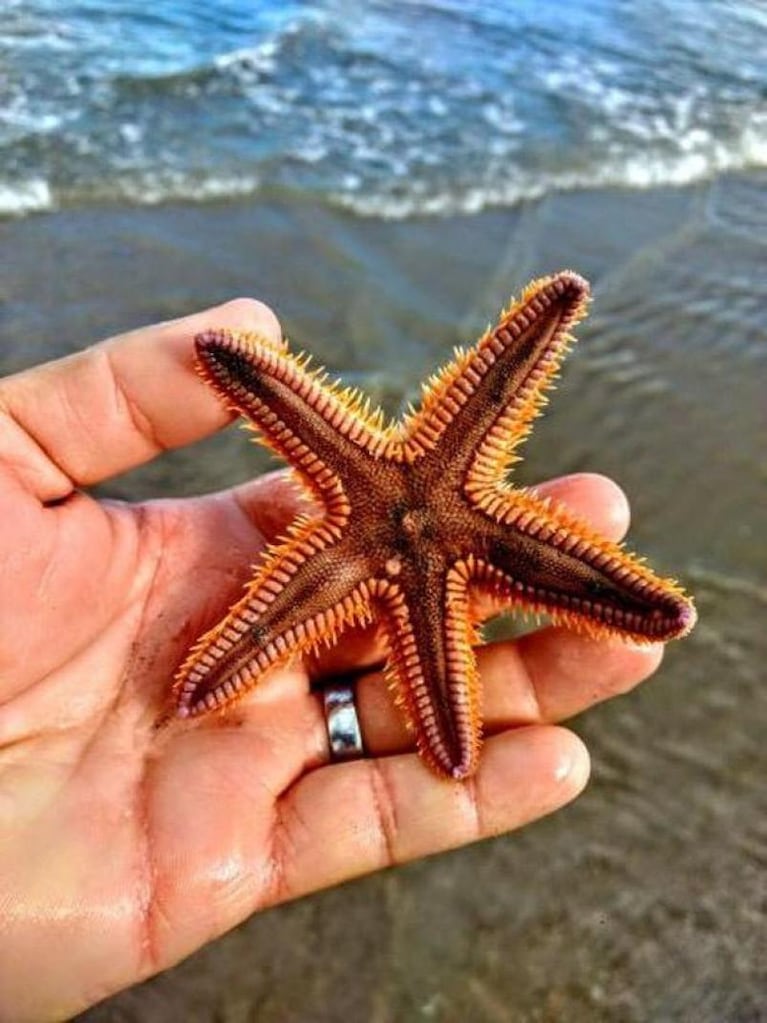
(124, 847)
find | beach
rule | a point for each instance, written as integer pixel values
(645, 900)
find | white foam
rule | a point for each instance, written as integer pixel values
(20, 197)
(697, 156)
(262, 58)
(154, 187)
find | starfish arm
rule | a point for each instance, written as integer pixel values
(326, 434)
(304, 595)
(432, 668)
(479, 408)
(539, 557)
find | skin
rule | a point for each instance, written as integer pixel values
(123, 846)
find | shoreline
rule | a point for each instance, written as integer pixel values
(182, 256)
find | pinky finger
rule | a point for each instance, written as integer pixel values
(345, 820)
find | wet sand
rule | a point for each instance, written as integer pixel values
(646, 900)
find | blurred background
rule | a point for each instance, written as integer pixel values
(386, 174)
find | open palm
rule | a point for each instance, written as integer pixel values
(123, 845)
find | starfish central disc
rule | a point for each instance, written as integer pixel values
(415, 516)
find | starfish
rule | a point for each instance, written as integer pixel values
(418, 519)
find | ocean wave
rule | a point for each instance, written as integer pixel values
(141, 189)
(633, 171)
(412, 199)
(291, 98)
(400, 194)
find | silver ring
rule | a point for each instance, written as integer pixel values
(344, 734)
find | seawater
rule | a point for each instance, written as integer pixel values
(387, 108)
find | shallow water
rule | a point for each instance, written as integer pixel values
(646, 900)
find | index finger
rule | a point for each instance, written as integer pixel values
(102, 411)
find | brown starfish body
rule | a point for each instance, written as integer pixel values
(417, 516)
